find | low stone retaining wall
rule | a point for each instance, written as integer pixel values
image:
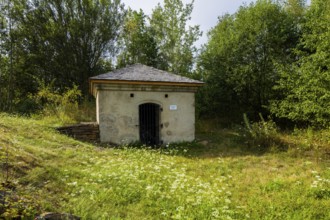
(86, 131)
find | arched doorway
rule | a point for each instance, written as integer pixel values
(149, 119)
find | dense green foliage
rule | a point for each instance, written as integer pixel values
(60, 41)
(138, 42)
(222, 178)
(269, 57)
(305, 84)
(240, 60)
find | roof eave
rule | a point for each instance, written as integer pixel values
(92, 82)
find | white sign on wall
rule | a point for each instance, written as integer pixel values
(173, 107)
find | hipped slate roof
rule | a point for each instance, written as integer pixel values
(141, 74)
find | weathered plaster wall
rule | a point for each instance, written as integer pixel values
(118, 115)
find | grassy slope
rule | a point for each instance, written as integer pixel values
(220, 180)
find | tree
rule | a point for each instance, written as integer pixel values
(138, 42)
(7, 55)
(305, 85)
(241, 57)
(65, 40)
(174, 39)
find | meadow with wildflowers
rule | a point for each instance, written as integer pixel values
(220, 178)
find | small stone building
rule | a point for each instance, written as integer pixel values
(143, 104)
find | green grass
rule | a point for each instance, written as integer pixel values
(220, 178)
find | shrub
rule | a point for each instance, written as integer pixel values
(59, 106)
(262, 134)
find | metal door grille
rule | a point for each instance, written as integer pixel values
(149, 123)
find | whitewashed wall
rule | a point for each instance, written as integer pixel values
(118, 112)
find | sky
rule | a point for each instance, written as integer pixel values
(205, 13)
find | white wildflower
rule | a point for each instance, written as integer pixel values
(72, 184)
